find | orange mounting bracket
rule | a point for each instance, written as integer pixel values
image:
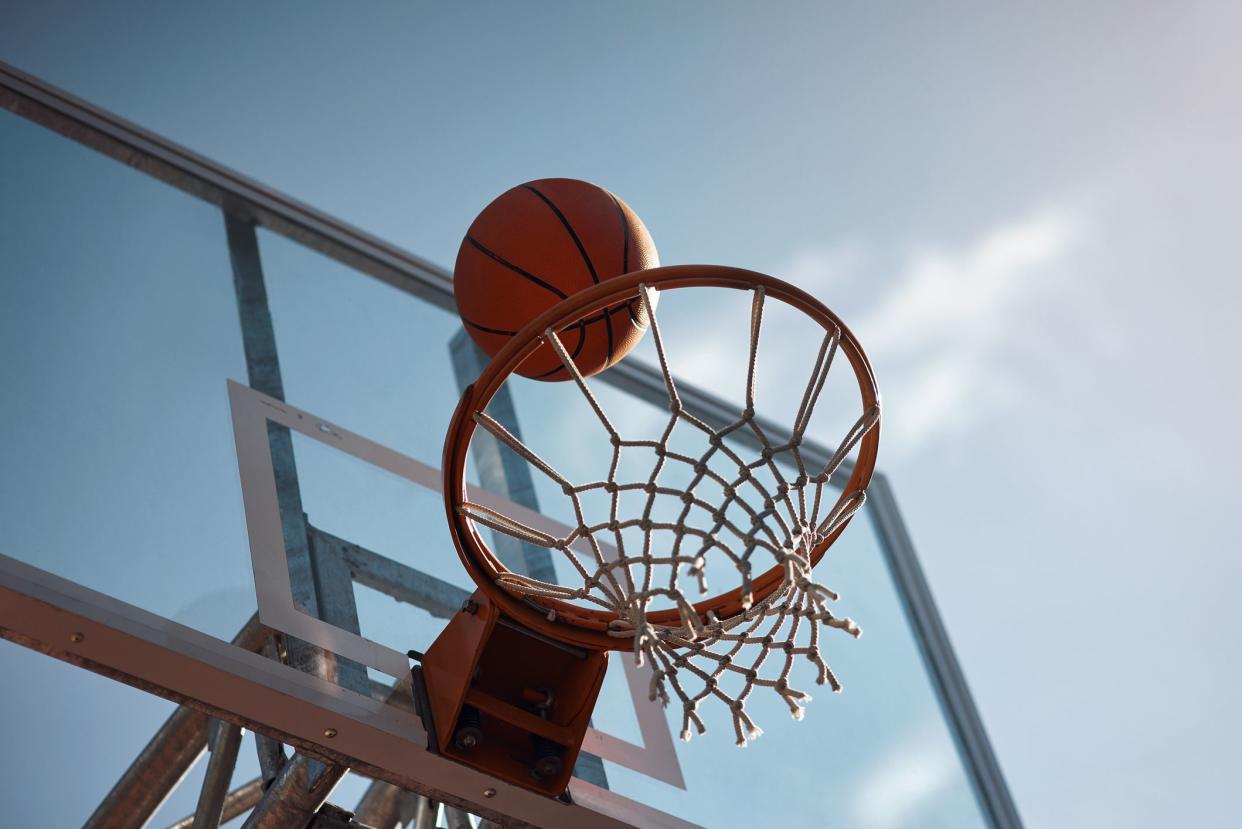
(507, 700)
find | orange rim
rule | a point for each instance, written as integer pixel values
(587, 627)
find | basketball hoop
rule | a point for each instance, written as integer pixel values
(752, 634)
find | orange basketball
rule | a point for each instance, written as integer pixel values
(534, 246)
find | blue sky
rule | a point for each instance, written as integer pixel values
(1025, 213)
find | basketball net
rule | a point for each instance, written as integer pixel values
(783, 522)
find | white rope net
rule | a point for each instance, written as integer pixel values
(765, 513)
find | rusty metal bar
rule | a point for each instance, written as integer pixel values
(296, 793)
(160, 766)
(270, 751)
(224, 745)
(237, 803)
(423, 813)
(457, 819)
(380, 806)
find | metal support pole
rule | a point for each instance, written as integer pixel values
(157, 769)
(501, 471)
(379, 806)
(271, 752)
(160, 766)
(385, 806)
(224, 745)
(423, 812)
(237, 803)
(320, 581)
(271, 758)
(457, 819)
(295, 795)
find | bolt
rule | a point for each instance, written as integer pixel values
(329, 733)
(489, 792)
(76, 637)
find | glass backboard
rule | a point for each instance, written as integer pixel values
(223, 422)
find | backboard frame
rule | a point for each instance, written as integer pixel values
(252, 411)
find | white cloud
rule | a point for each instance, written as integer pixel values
(949, 296)
(936, 334)
(905, 782)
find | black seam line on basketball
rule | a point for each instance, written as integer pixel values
(629, 306)
(515, 268)
(608, 329)
(583, 322)
(568, 227)
(474, 324)
(625, 267)
(625, 236)
(577, 350)
(606, 312)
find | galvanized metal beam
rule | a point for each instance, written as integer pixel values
(501, 470)
(224, 743)
(400, 581)
(271, 753)
(295, 795)
(162, 763)
(236, 803)
(158, 768)
(380, 806)
(319, 580)
(385, 806)
(457, 819)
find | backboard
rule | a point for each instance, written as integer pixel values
(223, 406)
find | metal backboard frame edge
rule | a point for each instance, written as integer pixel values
(94, 631)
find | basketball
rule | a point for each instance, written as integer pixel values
(536, 245)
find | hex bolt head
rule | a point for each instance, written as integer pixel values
(77, 637)
(329, 733)
(489, 792)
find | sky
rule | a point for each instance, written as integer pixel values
(1025, 213)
